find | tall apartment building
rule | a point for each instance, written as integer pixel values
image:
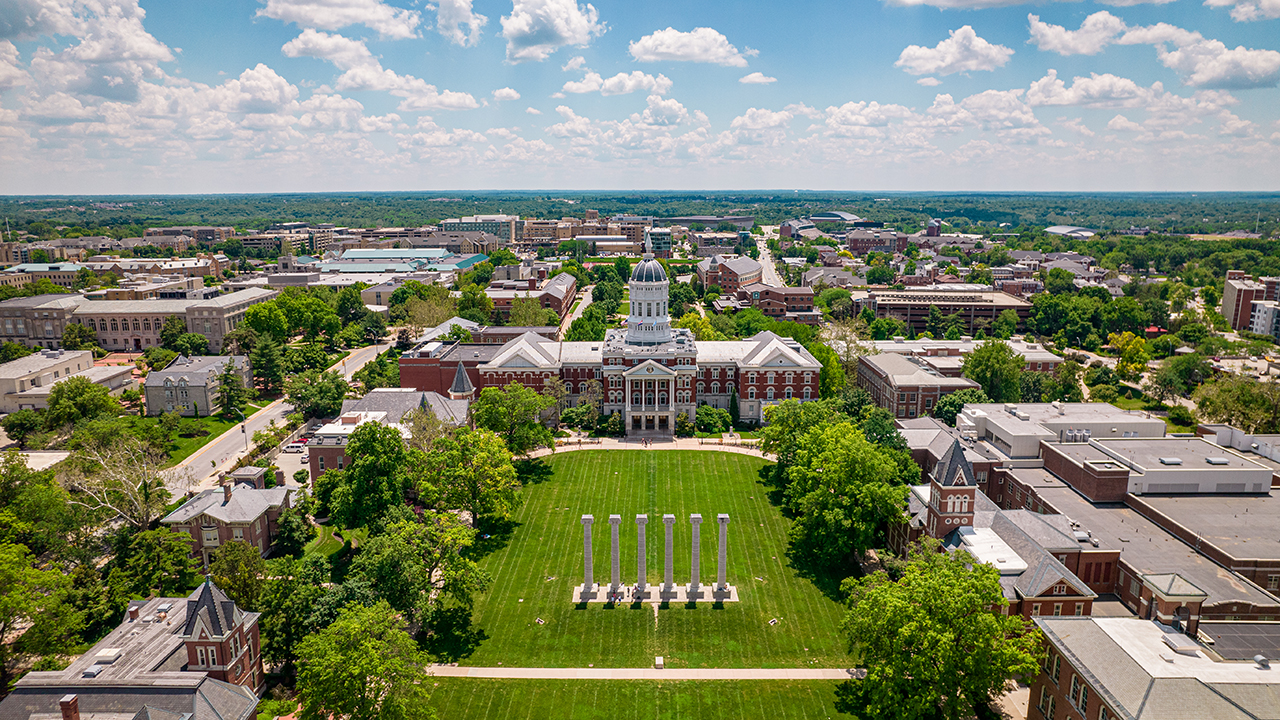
(1238, 296)
(1265, 318)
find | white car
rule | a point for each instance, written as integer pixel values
(294, 447)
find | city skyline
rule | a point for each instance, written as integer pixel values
(117, 96)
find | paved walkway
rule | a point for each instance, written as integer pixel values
(643, 673)
(656, 444)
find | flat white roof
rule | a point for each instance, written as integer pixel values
(985, 545)
(1143, 641)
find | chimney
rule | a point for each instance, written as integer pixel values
(133, 613)
(70, 705)
(226, 492)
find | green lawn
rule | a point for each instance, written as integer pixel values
(536, 564)
(324, 543)
(469, 699)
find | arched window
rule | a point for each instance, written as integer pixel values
(769, 394)
(951, 503)
(662, 398)
(715, 388)
(568, 387)
(964, 503)
(806, 394)
(702, 388)
(648, 399)
(751, 393)
(728, 387)
(788, 393)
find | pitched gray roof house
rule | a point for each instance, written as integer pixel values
(398, 402)
(244, 504)
(194, 370)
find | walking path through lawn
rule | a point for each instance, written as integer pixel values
(655, 444)
(644, 673)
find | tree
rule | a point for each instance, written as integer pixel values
(241, 341)
(515, 414)
(1006, 325)
(700, 325)
(373, 327)
(267, 320)
(1059, 281)
(78, 398)
(191, 344)
(316, 394)
(429, 308)
(951, 404)
(21, 425)
(1133, 354)
(30, 597)
(174, 328)
(239, 571)
(267, 362)
(845, 491)
(475, 305)
(11, 351)
(471, 470)
(525, 312)
(289, 594)
(231, 391)
(880, 275)
(293, 529)
(349, 306)
(416, 565)
(374, 479)
(124, 476)
(996, 367)
(363, 667)
(159, 562)
(425, 427)
(712, 420)
(79, 337)
(1250, 405)
(831, 378)
(935, 643)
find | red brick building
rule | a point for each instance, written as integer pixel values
(221, 639)
(793, 304)
(234, 512)
(729, 272)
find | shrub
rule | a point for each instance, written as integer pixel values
(1180, 415)
(713, 420)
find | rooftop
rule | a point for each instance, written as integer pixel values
(1132, 666)
(247, 504)
(1148, 548)
(1178, 453)
(45, 360)
(907, 370)
(1243, 526)
(193, 368)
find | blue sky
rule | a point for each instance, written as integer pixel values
(139, 96)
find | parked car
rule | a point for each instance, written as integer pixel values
(294, 447)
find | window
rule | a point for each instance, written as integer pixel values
(237, 534)
(1104, 713)
(114, 327)
(751, 377)
(342, 460)
(210, 536)
(213, 656)
(1273, 582)
(769, 394)
(807, 394)
(1057, 667)
(1075, 690)
(769, 378)
(1079, 609)
(1035, 609)
(202, 657)
(1044, 697)
(1060, 588)
(715, 386)
(1057, 609)
(751, 393)
(320, 458)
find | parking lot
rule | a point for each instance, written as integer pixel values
(290, 463)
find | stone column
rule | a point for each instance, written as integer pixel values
(587, 583)
(615, 576)
(696, 520)
(723, 519)
(641, 567)
(669, 573)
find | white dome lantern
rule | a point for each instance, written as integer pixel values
(647, 320)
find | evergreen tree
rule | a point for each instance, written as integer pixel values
(231, 391)
(267, 362)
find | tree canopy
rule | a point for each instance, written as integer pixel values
(514, 412)
(996, 367)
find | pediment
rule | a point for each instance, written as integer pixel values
(650, 369)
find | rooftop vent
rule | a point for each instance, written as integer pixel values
(1217, 461)
(1180, 643)
(1081, 536)
(1170, 461)
(92, 671)
(1262, 661)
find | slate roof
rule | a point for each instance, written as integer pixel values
(952, 469)
(207, 699)
(740, 265)
(210, 604)
(195, 370)
(246, 505)
(461, 382)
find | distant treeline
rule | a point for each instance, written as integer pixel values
(122, 216)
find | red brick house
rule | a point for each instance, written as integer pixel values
(236, 511)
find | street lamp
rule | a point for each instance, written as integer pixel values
(243, 429)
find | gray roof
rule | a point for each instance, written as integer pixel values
(952, 469)
(44, 360)
(36, 301)
(210, 604)
(153, 307)
(740, 265)
(648, 270)
(206, 699)
(238, 296)
(461, 382)
(395, 402)
(247, 504)
(195, 370)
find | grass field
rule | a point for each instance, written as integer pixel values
(470, 699)
(537, 561)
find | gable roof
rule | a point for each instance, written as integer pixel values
(247, 504)
(530, 350)
(773, 350)
(208, 604)
(953, 470)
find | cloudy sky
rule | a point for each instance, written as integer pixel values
(140, 96)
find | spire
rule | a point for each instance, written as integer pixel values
(462, 387)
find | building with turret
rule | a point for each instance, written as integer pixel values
(648, 372)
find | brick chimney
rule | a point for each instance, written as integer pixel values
(70, 706)
(226, 492)
(133, 613)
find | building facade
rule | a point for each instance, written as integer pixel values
(235, 512)
(904, 385)
(730, 272)
(649, 373)
(189, 386)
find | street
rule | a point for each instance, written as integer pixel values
(223, 452)
(583, 302)
(770, 275)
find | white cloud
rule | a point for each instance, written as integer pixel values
(761, 119)
(864, 119)
(1076, 125)
(533, 111)
(964, 51)
(805, 110)
(1104, 90)
(1121, 123)
(577, 62)
(978, 4)
(537, 28)
(1200, 62)
(929, 81)
(661, 111)
(703, 45)
(1249, 10)
(258, 90)
(1096, 32)
(362, 71)
(620, 84)
(10, 74)
(505, 93)
(757, 78)
(453, 15)
(1000, 111)
(27, 19)
(387, 21)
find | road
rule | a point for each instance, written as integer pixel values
(583, 303)
(770, 275)
(223, 452)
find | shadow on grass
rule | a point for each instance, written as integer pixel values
(492, 534)
(532, 471)
(453, 637)
(774, 489)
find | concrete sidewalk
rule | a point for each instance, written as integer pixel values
(643, 673)
(656, 444)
